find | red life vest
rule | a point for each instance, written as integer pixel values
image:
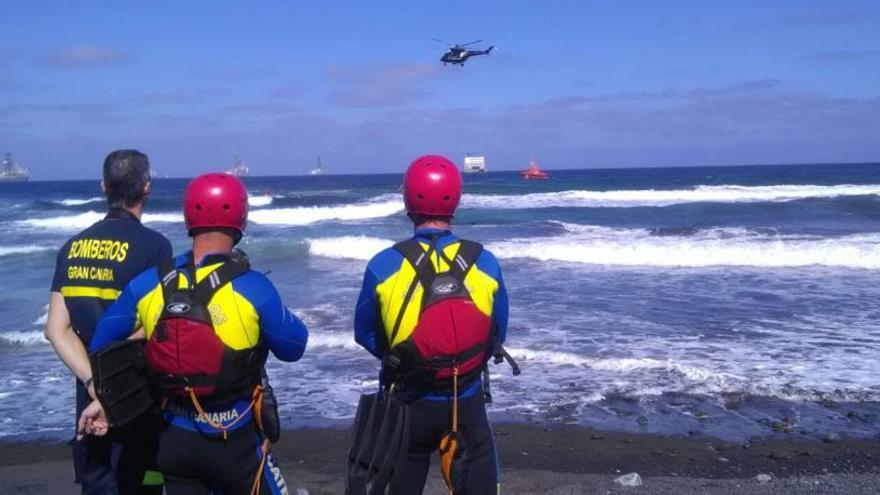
(185, 353)
(451, 331)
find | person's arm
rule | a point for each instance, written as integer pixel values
(367, 327)
(66, 342)
(285, 334)
(488, 264)
(501, 309)
(118, 322)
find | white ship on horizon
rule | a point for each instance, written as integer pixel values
(238, 169)
(474, 164)
(319, 168)
(11, 171)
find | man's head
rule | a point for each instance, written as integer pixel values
(216, 203)
(431, 189)
(126, 179)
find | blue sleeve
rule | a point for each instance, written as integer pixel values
(366, 316)
(501, 307)
(285, 334)
(118, 322)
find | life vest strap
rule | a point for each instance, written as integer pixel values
(420, 260)
(203, 291)
(256, 397)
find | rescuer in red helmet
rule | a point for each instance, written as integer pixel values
(209, 322)
(434, 310)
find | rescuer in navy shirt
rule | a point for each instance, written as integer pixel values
(91, 270)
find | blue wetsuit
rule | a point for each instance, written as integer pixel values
(386, 280)
(245, 313)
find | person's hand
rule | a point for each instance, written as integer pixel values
(92, 421)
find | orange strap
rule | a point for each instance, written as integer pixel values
(455, 399)
(256, 398)
(255, 488)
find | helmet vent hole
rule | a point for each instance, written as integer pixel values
(199, 207)
(225, 206)
(446, 198)
(420, 196)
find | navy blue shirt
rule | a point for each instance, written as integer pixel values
(95, 265)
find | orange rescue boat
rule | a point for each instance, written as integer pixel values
(534, 172)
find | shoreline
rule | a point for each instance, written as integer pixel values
(548, 458)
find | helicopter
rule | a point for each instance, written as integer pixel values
(459, 53)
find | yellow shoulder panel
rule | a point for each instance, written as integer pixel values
(235, 319)
(149, 309)
(392, 291)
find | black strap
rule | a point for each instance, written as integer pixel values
(203, 291)
(467, 255)
(168, 277)
(418, 258)
(411, 250)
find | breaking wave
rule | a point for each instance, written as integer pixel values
(257, 201)
(660, 197)
(348, 247)
(315, 214)
(78, 202)
(712, 247)
(28, 337)
(645, 376)
(640, 247)
(31, 248)
(83, 220)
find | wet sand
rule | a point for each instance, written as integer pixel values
(550, 459)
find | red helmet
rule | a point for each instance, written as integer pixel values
(432, 186)
(215, 200)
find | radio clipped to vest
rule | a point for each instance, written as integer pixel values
(185, 354)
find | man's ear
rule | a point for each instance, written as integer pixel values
(103, 187)
(146, 190)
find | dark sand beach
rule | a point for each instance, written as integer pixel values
(550, 459)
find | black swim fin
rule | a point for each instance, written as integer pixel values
(380, 446)
(121, 378)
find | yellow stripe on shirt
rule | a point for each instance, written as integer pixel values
(82, 291)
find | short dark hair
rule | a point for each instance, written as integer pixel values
(126, 173)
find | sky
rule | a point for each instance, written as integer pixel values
(579, 84)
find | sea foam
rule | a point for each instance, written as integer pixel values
(348, 247)
(712, 247)
(78, 202)
(86, 219)
(595, 245)
(27, 337)
(315, 214)
(260, 200)
(30, 248)
(662, 197)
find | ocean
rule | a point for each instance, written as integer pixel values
(730, 302)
